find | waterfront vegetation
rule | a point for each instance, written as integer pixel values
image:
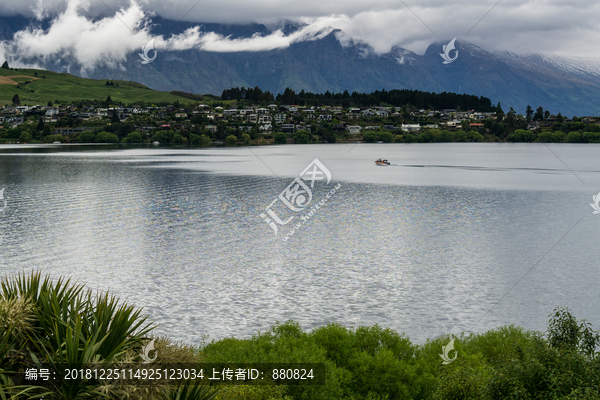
(46, 107)
(55, 321)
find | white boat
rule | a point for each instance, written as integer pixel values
(156, 143)
(55, 142)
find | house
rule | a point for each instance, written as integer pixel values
(476, 126)
(382, 114)
(211, 128)
(368, 114)
(410, 127)
(264, 119)
(280, 118)
(287, 128)
(245, 128)
(181, 115)
(372, 127)
(431, 126)
(354, 129)
(325, 117)
(47, 119)
(21, 109)
(338, 127)
(533, 125)
(70, 131)
(252, 118)
(229, 112)
(265, 128)
(262, 111)
(303, 128)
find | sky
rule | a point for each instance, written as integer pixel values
(116, 28)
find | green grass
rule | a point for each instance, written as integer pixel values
(69, 89)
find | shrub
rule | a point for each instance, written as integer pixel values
(591, 137)
(231, 140)
(280, 138)
(386, 137)
(133, 137)
(106, 137)
(302, 137)
(86, 137)
(574, 137)
(370, 137)
(177, 139)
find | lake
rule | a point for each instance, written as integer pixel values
(450, 237)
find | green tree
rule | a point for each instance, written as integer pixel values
(115, 117)
(205, 140)
(280, 137)
(40, 124)
(499, 113)
(529, 112)
(386, 137)
(25, 137)
(370, 137)
(86, 137)
(177, 139)
(133, 137)
(106, 137)
(49, 103)
(5, 65)
(231, 140)
(16, 101)
(574, 137)
(162, 136)
(246, 138)
(302, 137)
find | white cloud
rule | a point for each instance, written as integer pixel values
(94, 35)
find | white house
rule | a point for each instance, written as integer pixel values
(410, 127)
(354, 129)
(280, 118)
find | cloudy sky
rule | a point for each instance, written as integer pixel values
(524, 26)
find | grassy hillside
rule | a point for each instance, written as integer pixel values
(39, 86)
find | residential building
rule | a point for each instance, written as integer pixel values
(410, 127)
(354, 129)
(264, 119)
(280, 118)
(287, 128)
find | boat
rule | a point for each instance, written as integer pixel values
(382, 162)
(156, 143)
(55, 142)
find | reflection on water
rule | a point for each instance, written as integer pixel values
(424, 250)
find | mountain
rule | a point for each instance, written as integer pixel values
(558, 84)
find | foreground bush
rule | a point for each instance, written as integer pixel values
(56, 322)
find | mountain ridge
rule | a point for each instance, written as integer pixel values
(557, 83)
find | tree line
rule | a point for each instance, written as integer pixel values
(394, 97)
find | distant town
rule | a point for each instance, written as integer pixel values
(232, 123)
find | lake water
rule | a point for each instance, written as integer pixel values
(449, 238)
